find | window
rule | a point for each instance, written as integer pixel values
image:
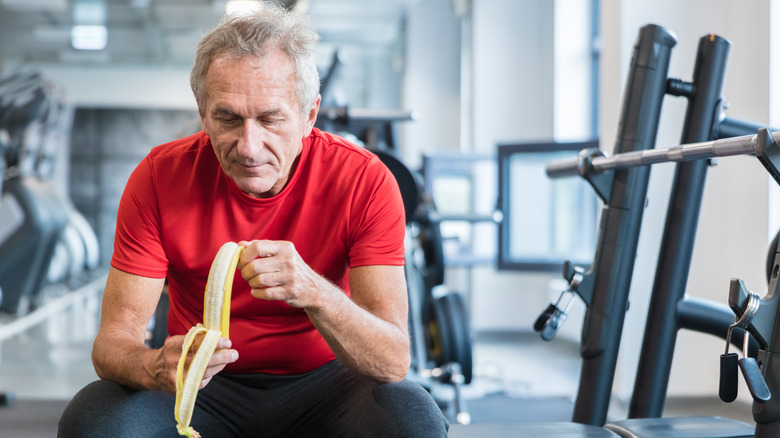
(545, 221)
(463, 189)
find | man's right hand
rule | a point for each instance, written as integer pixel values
(171, 352)
(119, 353)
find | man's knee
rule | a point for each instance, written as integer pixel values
(411, 409)
(104, 408)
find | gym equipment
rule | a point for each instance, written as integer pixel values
(43, 239)
(604, 287)
(600, 172)
(764, 325)
(45, 244)
(674, 259)
(764, 145)
(374, 128)
(704, 121)
(25, 256)
(677, 244)
(743, 302)
(28, 113)
(438, 319)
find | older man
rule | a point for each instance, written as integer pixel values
(319, 344)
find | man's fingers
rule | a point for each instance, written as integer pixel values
(257, 249)
(224, 344)
(223, 357)
(217, 363)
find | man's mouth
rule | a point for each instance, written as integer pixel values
(251, 166)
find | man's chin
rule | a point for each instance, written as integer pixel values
(255, 187)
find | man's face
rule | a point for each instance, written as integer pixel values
(255, 123)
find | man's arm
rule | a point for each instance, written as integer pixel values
(368, 333)
(119, 353)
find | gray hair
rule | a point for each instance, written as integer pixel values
(256, 33)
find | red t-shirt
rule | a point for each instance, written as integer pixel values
(342, 208)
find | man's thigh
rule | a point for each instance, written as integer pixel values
(329, 401)
(105, 408)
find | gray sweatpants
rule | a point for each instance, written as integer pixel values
(327, 402)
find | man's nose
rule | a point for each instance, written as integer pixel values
(251, 140)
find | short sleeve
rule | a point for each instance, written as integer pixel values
(138, 246)
(379, 219)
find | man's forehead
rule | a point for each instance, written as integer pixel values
(256, 60)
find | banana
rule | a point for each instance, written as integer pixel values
(216, 322)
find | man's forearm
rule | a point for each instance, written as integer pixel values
(126, 363)
(119, 353)
(362, 341)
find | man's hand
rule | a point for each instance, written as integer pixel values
(119, 353)
(169, 360)
(276, 271)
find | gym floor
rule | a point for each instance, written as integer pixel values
(517, 377)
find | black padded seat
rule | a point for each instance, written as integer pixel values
(682, 427)
(528, 430)
(407, 182)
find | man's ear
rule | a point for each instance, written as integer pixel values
(312, 118)
(202, 116)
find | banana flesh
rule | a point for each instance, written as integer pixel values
(216, 321)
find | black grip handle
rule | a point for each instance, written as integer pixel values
(728, 385)
(755, 381)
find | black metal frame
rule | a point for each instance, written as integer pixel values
(679, 234)
(766, 327)
(670, 310)
(604, 288)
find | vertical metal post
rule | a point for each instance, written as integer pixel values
(679, 233)
(612, 268)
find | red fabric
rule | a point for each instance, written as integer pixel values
(341, 209)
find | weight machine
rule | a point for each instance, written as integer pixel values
(669, 309)
(621, 182)
(48, 251)
(441, 344)
(604, 287)
(744, 303)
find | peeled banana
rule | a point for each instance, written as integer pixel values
(216, 321)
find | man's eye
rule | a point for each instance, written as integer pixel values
(227, 120)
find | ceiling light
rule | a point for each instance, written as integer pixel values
(89, 37)
(89, 12)
(242, 6)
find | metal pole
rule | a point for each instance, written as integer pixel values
(682, 216)
(605, 287)
(744, 145)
